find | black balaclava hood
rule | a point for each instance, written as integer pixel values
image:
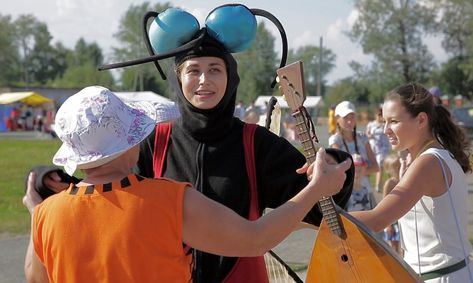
(208, 124)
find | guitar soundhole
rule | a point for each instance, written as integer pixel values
(344, 258)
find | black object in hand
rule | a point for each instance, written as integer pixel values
(41, 172)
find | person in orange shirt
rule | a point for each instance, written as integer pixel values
(115, 226)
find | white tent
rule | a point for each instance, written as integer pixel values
(28, 97)
(310, 101)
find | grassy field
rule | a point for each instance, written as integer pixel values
(16, 159)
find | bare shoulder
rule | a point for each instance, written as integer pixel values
(425, 174)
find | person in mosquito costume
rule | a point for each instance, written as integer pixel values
(244, 167)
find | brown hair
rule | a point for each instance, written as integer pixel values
(416, 99)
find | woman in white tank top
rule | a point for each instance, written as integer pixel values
(430, 200)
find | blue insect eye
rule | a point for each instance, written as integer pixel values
(171, 29)
(232, 25)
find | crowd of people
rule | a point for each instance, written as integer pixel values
(181, 198)
(24, 117)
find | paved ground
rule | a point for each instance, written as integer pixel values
(295, 250)
(12, 251)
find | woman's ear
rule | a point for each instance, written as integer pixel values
(423, 120)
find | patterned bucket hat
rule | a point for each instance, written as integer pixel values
(96, 127)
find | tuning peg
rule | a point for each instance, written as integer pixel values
(277, 79)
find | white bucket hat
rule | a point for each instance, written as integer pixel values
(95, 127)
(344, 108)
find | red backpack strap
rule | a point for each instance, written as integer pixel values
(249, 269)
(249, 146)
(161, 139)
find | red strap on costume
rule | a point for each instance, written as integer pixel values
(249, 269)
(246, 269)
(248, 144)
(161, 140)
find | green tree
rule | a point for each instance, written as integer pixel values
(25, 28)
(392, 31)
(82, 66)
(257, 66)
(39, 59)
(44, 63)
(309, 55)
(9, 56)
(456, 24)
(85, 52)
(132, 46)
(348, 89)
(453, 79)
(83, 75)
(374, 81)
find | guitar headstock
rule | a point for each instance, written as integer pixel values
(291, 84)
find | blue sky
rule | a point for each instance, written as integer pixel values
(305, 21)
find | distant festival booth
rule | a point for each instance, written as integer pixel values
(9, 99)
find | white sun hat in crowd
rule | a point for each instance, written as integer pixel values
(344, 108)
(96, 127)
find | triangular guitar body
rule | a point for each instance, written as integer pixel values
(357, 257)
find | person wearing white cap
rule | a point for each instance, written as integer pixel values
(116, 226)
(347, 138)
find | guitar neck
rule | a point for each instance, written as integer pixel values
(304, 137)
(326, 204)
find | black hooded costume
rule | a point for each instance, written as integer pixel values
(206, 149)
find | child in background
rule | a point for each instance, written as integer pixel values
(360, 196)
(392, 166)
(379, 144)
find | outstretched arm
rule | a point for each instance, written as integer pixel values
(35, 271)
(424, 177)
(211, 227)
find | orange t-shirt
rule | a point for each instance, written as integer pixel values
(125, 231)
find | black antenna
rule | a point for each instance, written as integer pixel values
(147, 41)
(277, 23)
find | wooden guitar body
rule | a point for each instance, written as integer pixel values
(356, 257)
